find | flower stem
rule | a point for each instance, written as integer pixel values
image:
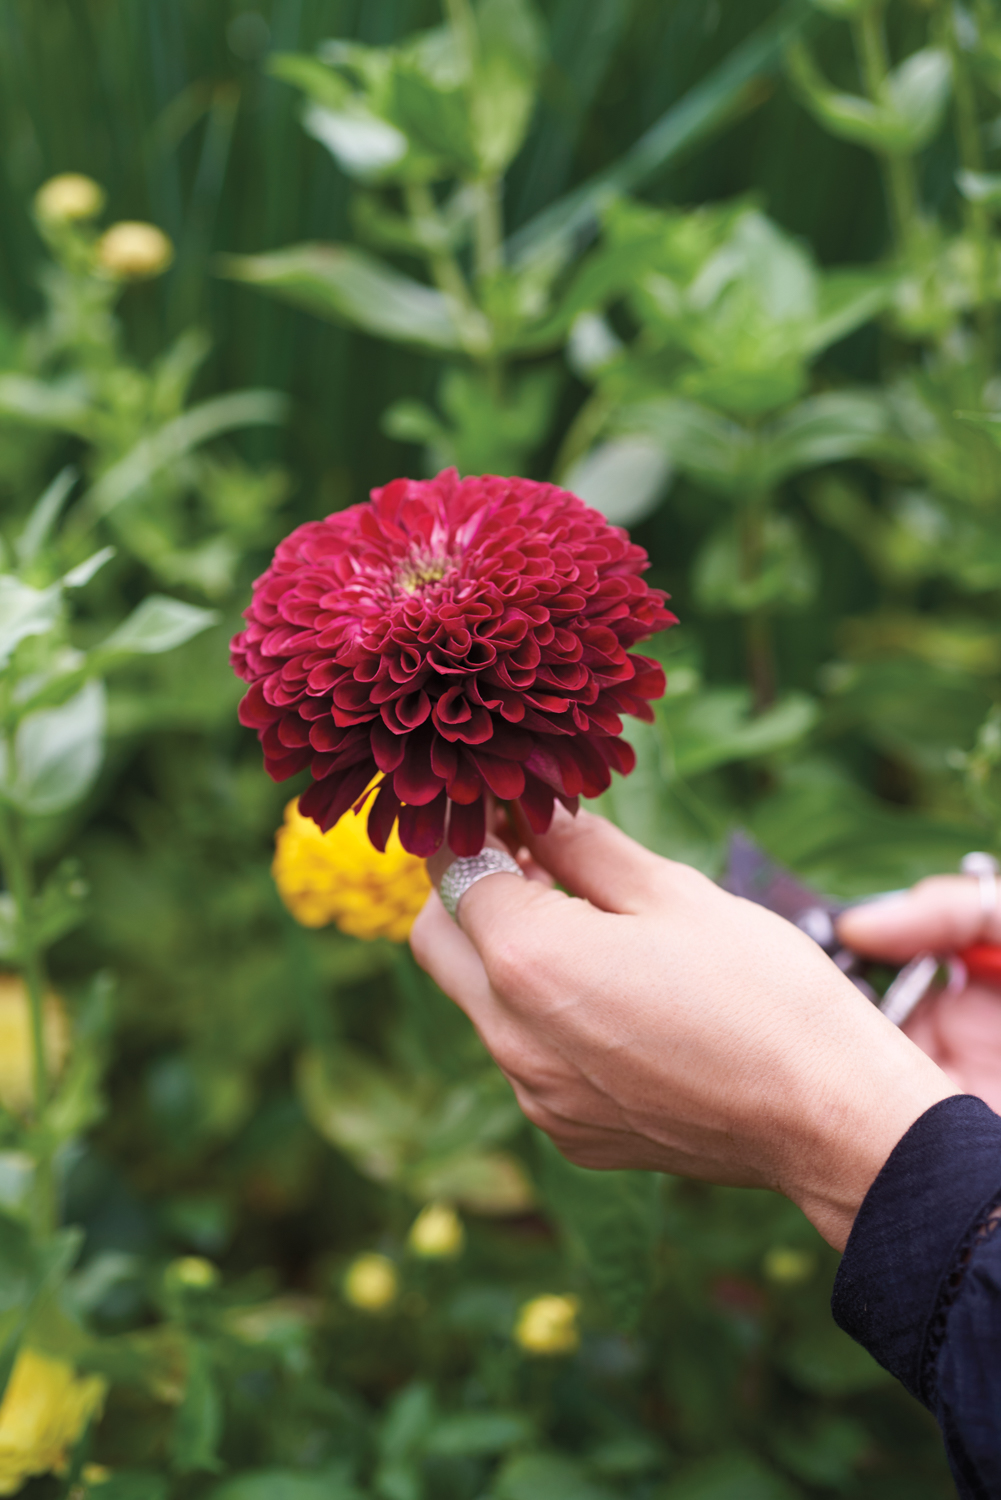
(17, 874)
(898, 170)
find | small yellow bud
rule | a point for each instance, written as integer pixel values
(788, 1267)
(371, 1283)
(17, 1088)
(437, 1233)
(548, 1325)
(193, 1272)
(68, 198)
(95, 1474)
(133, 251)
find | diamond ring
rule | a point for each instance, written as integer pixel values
(985, 868)
(464, 872)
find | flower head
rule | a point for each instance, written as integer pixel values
(371, 1283)
(16, 1062)
(437, 1233)
(45, 1409)
(462, 637)
(133, 251)
(68, 198)
(338, 877)
(548, 1325)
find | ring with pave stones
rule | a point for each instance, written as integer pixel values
(467, 870)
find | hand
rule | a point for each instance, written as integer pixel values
(652, 1020)
(962, 1033)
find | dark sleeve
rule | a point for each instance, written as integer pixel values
(920, 1282)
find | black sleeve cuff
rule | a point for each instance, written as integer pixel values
(937, 1184)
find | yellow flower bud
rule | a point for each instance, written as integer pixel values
(437, 1233)
(46, 1407)
(339, 877)
(132, 251)
(193, 1272)
(548, 1325)
(68, 198)
(788, 1267)
(17, 1085)
(95, 1474)
(371, 1283)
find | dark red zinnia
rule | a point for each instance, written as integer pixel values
(459, 636)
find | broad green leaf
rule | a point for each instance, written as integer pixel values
(200, 424)
(547, 1476)
(364, 145)
(476, 1433)
(43, 517)
(730, 1477)
(821, 430)
(919, 90)
(157, 624)
(611, 1221)
(980, 187)
(907, 118)
(717, 726)
(286, 1484)
(56, 756)
(825, 1361)
(407, 1421)
(339, 282)
(25, 611)
(845, 300)
(508, 59)
(625, 478)
(711, 448)
(197, 1428)
(48, 405)
(492, 1183)
(85, 571)
(320, 82)
(735, 574)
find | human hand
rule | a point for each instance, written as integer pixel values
(652, 1020)
(961, 1032)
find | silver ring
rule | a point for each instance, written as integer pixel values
(985, 867)
(464, 872)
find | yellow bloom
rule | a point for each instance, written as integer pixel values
(46, 1407)
(193, 1272)
(134, 251)
(339, 877)
(371, 1283)
(69, 197)
(16, 1063)
(548, 1325)
(788, 1267)
(437, 1233)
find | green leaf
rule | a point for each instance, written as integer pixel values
(198, 1425)
(918, 91)
(827, 1362)
(131, 1484)
(157, 624)
(711, 448)
(29, 1274)
(729, 1477)
(611, 1221)
(339, 282)
(716, 727)
(25, 611)
(47, 405)
(625, 478)
(532, 1476)
(784, 574)
(821, 430)
(200, 424)
(77, 577)
(980, 187)
(285, 1484)
(475, 1434)
(910, 114)
(507, 65)
(364, 145)
(57, 754)
(43, 517)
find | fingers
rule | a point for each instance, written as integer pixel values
(944, 914)
(446, 953)
(595, 860)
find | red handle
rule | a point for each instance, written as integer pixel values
(983, 962)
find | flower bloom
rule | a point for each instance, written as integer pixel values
(338, 877)
(69, 197)
(437, 1233)
(134, 251)
(548, 1325)
(45, 1408)
(17, 1084)
(371, 1283)
(460, 637)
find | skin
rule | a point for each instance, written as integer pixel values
(650, 1020)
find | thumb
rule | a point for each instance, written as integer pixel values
(944, 914)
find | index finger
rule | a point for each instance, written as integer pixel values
(944, 913)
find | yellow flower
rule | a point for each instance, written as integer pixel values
(69, 197)
(437, 1233)
(193, 1272)
(371, 1283)
(46, 1407)
(339, 877)
(16, 1063)
(548, 1325)
(788, 1267)
(133, 251)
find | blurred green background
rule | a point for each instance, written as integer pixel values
(731, 273)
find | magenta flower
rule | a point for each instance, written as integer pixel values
(460, 637)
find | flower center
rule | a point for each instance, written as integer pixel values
(421, 568)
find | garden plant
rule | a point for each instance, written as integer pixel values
(272, 1226)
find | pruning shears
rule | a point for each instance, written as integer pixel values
(751, 874)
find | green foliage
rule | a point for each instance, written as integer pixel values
(785, 384)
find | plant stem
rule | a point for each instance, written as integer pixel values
(463, 24)
(898, 170)
(17, 874)
(446, 271)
